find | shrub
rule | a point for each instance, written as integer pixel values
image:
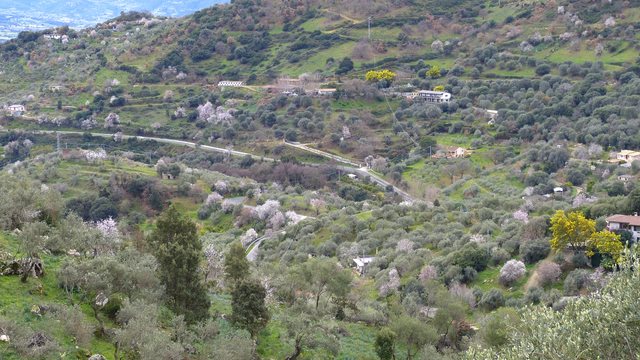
(534, 251)
(495, 327)
(512, 271)
(579, 260)
(113, 305)
(499, 255)
(576, 281)
(492, 299)
(543, 69)
(534, 295)
(471, 255)
(548, 273)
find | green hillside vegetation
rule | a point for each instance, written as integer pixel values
(280, 183)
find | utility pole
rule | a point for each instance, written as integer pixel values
(58, 142)
(369, 27)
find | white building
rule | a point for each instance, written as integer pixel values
(16, 110)
(225, 83)
(326, 92)
(629, 223)
(628, 155)
(362, 262)
(434, 96)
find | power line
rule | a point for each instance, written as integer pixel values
(386, 99)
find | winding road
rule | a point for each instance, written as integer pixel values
(352, 166)
(157, 139)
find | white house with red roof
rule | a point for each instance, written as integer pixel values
(629, 223)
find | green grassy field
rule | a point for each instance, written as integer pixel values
(17, 299)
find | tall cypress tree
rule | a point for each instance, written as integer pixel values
(248, 307)
(236, 265)
(179, 251)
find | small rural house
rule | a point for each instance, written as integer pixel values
(362, 262)
(434, 96)
(326, 92)
(16, 110)
(630, 223)
(451, 153)
(226, 83)
(625, 178)
(628, 155)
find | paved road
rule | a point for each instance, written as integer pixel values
(364, 172)
(353, 167)
(253, 254)
(322, 153)
(160, 140)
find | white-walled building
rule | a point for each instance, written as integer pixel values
(433, 96)
(629, 223)
(226, 83)
(16, 110)
(362, 262)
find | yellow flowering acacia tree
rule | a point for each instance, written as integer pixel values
(380, 75)
(570, 229)
(606, 242)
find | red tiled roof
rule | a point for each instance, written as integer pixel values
(625, 219)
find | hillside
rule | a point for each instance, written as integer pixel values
(17, 16)
(315, 179)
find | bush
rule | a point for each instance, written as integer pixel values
(534, 295)
(113, 305)
(492, 299)
(472, 256)
(496, 326)
(579, 260)
(534, 251)
(499, 256)
(543, 69)
(576, 281)
(548, 273)
(512, 271)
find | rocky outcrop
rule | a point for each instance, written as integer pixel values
(33, 267)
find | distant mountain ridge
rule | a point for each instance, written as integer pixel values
(20, 15)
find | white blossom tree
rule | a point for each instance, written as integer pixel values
(428, 272)
(317, 204)
(293, 217)
(112, 120)
(277, 220)
(267, 210)
(213, 198)
(437, 46)
(511, 271)
(404, 245)
(462, 292)
(521, 215)
(248, 237)
(214, 264)
(392, 284)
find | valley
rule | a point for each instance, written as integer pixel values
(270, 179)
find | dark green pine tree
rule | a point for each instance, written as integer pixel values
(236, 265)
(248, 308)
(179, 251)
